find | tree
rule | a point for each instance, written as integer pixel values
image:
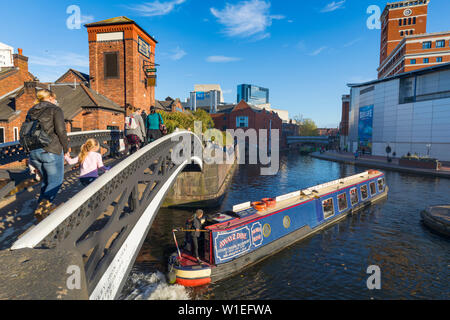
(308, 128)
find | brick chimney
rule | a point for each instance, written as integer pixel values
(20, 61)
(25, 101)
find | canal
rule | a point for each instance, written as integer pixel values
(332, 264)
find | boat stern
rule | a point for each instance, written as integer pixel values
(187, 272)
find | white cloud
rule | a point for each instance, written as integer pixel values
(156, 8)
(60, 59)
(178, 54)
(86, 19)
(246, 18)
(222, 59)
(349, 44)
(333, 6)
(318, 51)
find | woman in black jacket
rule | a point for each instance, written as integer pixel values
(50, 159)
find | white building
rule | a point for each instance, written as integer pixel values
(209, 87)
(410, 112)
(283, 114)
(205, 96)
(6, 56)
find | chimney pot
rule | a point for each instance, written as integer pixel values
(20, 51)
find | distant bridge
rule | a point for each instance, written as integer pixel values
(311, 140)
(107, 222)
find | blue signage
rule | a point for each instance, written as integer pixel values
(232, 244)
(365, 127)
(200, 96)
(143, 47)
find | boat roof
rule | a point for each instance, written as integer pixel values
(246, 213)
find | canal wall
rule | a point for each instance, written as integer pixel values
(204, 189)
(376, 164)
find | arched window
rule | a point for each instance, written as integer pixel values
(400, 22)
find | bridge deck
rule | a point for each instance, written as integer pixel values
(17, 212)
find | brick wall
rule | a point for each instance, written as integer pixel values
(130, 86)
(16, 77)
(70, 77)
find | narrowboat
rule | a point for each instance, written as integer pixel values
(253, 231)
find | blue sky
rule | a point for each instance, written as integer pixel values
(305, 52)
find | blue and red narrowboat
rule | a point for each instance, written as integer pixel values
(253, 231)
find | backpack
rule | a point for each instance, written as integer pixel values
(32, 136)
(131, 123)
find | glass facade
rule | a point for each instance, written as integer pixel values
(252, 94)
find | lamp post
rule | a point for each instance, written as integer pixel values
(428, 149)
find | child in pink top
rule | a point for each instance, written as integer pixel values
(90, 161)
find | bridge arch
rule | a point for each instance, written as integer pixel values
(107, 222)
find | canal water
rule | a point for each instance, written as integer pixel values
(332, 264)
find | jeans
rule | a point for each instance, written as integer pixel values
(51, 168)
(153, 135)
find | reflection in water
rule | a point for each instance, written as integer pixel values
(331, 264)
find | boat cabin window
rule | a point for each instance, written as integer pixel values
(354, 196)
(328, 208)
(381, 184)
(364, 192)
(342, 202)
(373, 189)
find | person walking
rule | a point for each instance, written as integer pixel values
(47, 155)
(90, 161)
(134, 129)
(154, 123)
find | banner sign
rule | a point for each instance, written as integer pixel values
(365, 127)
(144, 48)
(200, 96)
(232, 244)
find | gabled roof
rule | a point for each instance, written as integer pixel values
(8, 104)
(73, 99)
(117, 21)
(111, 21)
(80, 75)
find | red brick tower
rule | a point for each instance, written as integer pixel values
(121, 55)
(400, 19)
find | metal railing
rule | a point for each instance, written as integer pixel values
(108, 221)
(13, 152)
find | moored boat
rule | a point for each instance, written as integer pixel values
(253, 231)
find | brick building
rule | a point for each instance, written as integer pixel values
(121, 59)
(121, 55)
(344, 125)
(14, 77)
(74, 76)
(243, 116)
(405, 44)
(169, 105)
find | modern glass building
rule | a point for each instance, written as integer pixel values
(252, 94)
(409, 112)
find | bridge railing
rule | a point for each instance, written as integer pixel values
(107, 221)
(13, 152)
